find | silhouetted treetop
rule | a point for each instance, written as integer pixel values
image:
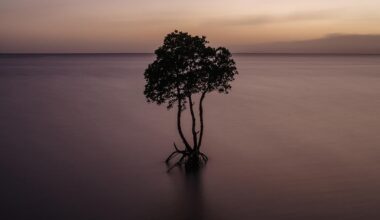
(186, 65)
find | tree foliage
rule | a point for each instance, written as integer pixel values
(186, 65)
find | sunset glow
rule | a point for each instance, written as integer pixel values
(139, 26)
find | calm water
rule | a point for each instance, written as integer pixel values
(297, 138)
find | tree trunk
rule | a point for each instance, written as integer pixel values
(179, 113)
(193, 123)
(201, 120)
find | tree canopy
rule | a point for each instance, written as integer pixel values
(186, 65)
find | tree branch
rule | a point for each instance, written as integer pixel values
(179, 126)
(201, 120)
(193, 122)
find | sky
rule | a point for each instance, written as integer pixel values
(28, 26)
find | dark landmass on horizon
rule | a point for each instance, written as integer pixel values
(330, 44)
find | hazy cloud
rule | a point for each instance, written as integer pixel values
(268, 19)
(331, 43)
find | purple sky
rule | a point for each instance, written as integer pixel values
(139, 26)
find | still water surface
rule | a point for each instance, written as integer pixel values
(297, 138)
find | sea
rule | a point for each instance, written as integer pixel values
(297, 137)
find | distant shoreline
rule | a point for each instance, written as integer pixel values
(150, 54)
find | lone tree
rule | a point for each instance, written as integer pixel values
(186, 68)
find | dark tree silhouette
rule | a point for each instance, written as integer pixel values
(186, 68)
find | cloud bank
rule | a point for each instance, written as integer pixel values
(263, 19)
(330, 44)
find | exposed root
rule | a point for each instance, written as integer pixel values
(189, 159)
(174, 153)
(204, 157)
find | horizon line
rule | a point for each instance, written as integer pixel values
(152, 53)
